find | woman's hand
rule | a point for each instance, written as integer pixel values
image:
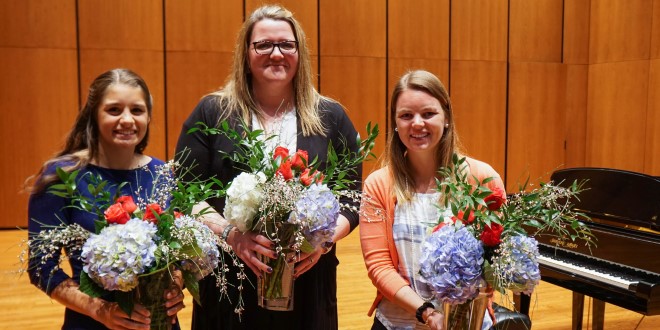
(113, 317)
(305, 261)
(435, 320)
(247, 245)
(174, 296)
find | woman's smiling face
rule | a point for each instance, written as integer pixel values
(420, 121)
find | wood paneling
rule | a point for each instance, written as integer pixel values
(397, 67)
(620, 30)
(359, 85)
(352, 28)
(121, 24)
(616, 112)
(38, 23)
(655, 34)
(149, 65)
(576, 31)
(40, 103)
(420, 31)
(191, 75)
(536, 134)
(535, 30)
(202, 25)
(478, 95)
(479, 30)
(652, 152)
(575, 113)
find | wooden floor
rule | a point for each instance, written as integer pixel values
(25, 307)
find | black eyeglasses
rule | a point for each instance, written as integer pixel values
(267, 47)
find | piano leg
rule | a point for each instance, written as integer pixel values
(578, 308)
(599, 314)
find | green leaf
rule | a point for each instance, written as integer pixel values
(89, 287)
(125, 301)
(192, 285)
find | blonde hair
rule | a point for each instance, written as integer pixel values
(235, 97)
(395, 150)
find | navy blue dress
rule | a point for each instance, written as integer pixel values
(46, 209)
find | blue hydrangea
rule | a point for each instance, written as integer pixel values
(119, 253)
(317, 211)
(451, 264)
(516, 266)
(207, 257)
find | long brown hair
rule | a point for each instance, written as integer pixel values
(236, 95)
(395, 151)
(82, 142)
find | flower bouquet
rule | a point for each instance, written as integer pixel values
(485, 245)
(285, 197)
(139, 247)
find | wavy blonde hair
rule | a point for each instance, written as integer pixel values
(236, 97)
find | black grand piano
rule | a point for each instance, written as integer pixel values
(624, 267)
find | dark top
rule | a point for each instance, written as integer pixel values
(315, 300)
(46, 209)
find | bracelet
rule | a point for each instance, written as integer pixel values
(226, 232)
(421, 310)
(327, 246)
(428, 318)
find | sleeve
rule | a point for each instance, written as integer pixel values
(375, 235)
(46, 211)
(483, 171)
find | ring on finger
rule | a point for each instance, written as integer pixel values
(311, 260)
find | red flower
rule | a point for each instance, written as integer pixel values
(299, 160)
(495, 199)
(177, 214)
(491, 234)
(461, 216)
(285, 170)
(307, 177)
(151, 211)
(116, 214)
(440, 225)
(127, 203)
(281, 152)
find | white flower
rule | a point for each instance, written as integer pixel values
(243, 199)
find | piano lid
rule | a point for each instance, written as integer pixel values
(611, 194)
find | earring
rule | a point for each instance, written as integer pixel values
(396, 129)
(446, 125)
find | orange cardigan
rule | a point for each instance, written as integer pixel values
(376, 219)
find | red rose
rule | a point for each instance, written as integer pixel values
(281, 152)
(461, 216)
(127, 203)
(440, 225)
(491, 234)
(285, 170)
(299, 160)
(496, 199)
(305, 178)
(151, 211)
(116, 214)
(177, 214)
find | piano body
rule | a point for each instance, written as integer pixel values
(624, 267)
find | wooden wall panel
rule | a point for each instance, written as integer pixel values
(479, 30)
(652, 152)
(535, 30)
(620, 30)
(397, 67)
(38, 23)
(535, 125)
(305, 12)
(575, 113)
(655, 31)
(478, 94)
(576, 31)
(419, 31)
(149, 65)
(126, 34)
(616, 111)
(40, 104)
(353, 69)
(200, 40)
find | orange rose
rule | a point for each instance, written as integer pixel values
(127, 203)
(461, 216)
(281, 152)
(299, 160)
(305, 178)
(440, 225)
(495, 199)
(116, 214)
(150, 214)
(285, 170)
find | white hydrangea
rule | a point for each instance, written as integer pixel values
(243, 199)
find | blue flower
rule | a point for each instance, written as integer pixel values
(451, 264)
(317, 209)
(516, 265)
